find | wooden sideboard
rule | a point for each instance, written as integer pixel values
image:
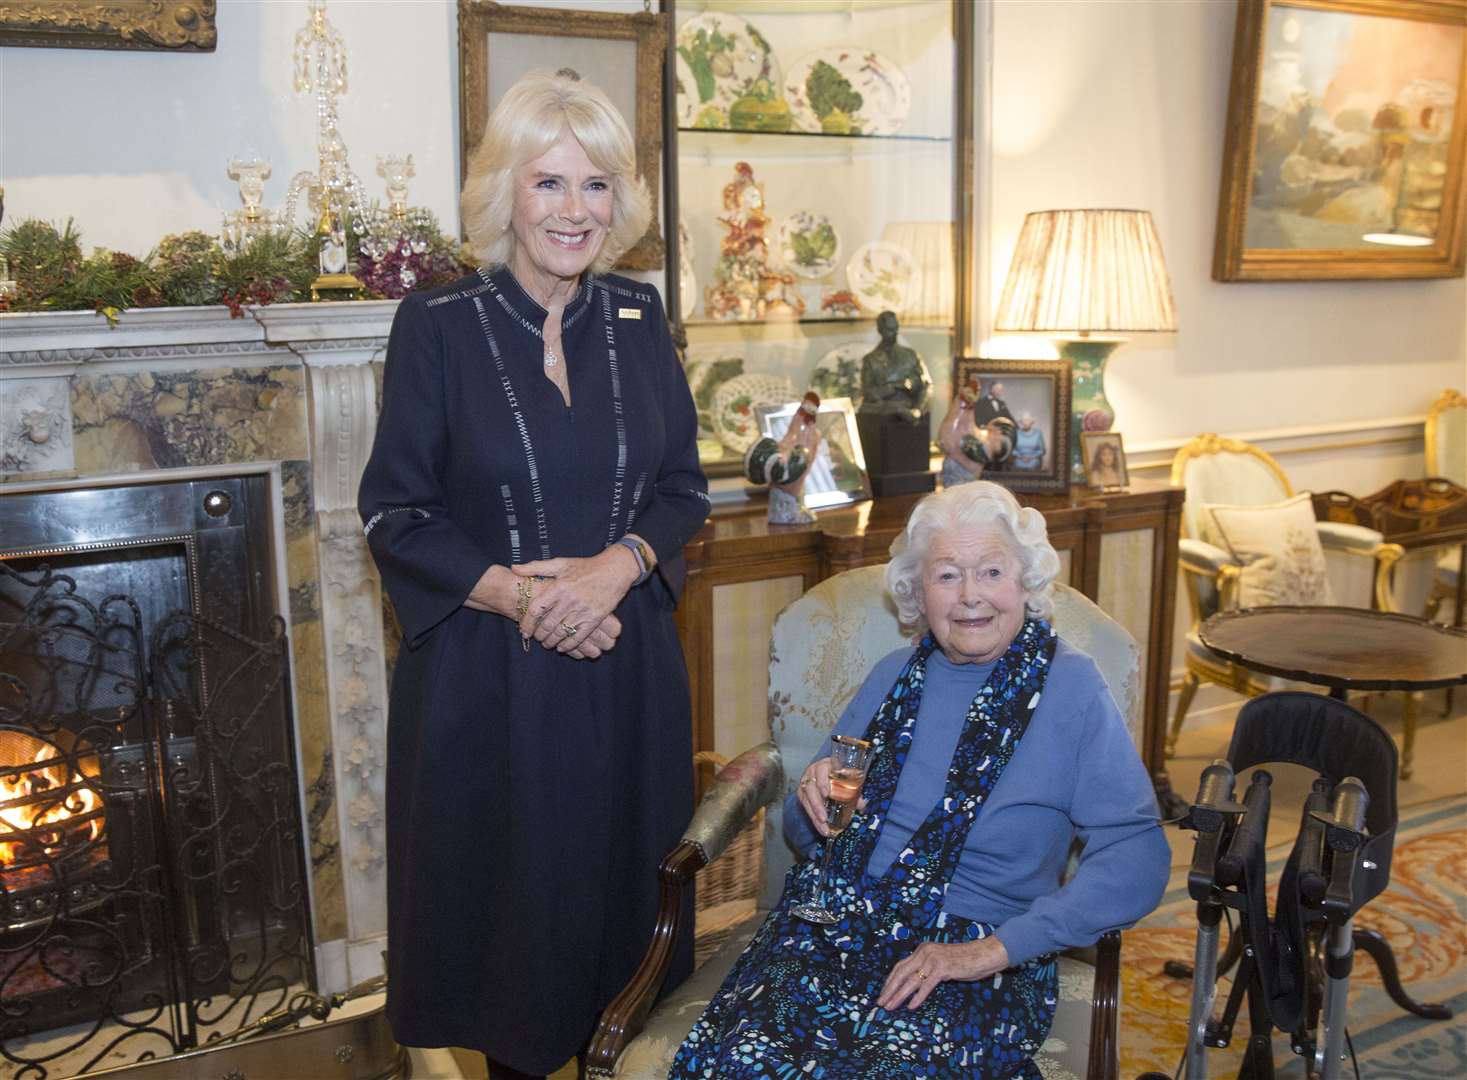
(1119, 549)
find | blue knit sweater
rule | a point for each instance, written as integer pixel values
(1076, 774)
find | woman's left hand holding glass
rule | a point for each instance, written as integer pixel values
(913, 979)
(576, 597)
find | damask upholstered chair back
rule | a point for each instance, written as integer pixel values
(826, 642)
(1218, 470)
(1446, 437)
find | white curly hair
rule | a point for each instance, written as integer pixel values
(979, 505)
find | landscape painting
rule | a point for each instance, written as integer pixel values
(1345, 154)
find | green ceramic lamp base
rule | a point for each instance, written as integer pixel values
(1089, 410)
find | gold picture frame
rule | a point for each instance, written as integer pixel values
(621, 53)
(163, 25)
(1323, 150)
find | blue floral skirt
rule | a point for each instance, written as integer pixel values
(800, 1004)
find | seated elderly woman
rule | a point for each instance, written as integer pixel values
(994, 744)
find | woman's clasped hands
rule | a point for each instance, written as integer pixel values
(571, 606)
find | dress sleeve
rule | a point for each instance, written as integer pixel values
(679, 504)
(1124, 867)
(427, 562)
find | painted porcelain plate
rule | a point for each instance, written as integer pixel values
(881, 275)
(724, 56)
(734, 402)
(838, 374)
(809, 244)
(848, 91)
(687, 93)
(687, 281)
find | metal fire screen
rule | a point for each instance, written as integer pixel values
(152, 880)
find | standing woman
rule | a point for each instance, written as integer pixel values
(534, 479)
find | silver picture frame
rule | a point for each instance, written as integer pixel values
(837, 476)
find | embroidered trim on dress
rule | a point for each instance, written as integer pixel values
(462, 294)
(581, 304)
(621, 423)
(376, 518)
(514, 532)
(636, 499)
(520, 425)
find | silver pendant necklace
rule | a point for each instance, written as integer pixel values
(550, 358)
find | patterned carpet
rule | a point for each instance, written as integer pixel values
(1423, 914)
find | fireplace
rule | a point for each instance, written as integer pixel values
(153, 882)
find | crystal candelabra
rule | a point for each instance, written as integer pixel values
(397, 171)
(334, 191)
(241, 225)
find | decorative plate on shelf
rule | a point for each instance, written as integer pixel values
(881, 275)
(687, 281)
(687, 93)
(809, 244)
(724, 56)
(733, 416)
(848, 91)
(838, 374)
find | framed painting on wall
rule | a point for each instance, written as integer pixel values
(163, 25)
(620, 53)
(1345, 141)
(1026, 406)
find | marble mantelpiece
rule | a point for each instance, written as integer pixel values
(168, 390)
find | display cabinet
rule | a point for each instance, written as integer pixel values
(820, 174)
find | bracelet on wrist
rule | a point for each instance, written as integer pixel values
(639, 552)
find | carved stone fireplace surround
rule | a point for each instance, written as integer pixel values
(289, 389)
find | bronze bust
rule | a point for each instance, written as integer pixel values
(894, 381)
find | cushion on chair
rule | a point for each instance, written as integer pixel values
(649, 1056)
(1278, 547)
(1347, 537)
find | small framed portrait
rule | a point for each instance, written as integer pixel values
(1105, 461)
(1027, 402)
(837, 476)
(621, 52)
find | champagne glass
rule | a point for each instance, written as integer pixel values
(850, 760)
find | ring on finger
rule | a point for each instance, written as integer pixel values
(921, 975)
(568, 630)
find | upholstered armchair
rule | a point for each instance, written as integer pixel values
(821, 649)
(1225, 474)
(1446, 457)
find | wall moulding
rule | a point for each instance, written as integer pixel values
(1309, 439)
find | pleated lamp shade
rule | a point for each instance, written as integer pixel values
(1087, 271)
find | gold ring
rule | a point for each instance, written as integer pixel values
(921, 974)
(569, 630)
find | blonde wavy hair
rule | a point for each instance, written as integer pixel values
(979, 505)
(529, 120)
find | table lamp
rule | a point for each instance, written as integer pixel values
(1081, 272)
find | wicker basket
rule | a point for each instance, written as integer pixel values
(729, 887)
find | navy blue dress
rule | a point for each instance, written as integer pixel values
(529, 796)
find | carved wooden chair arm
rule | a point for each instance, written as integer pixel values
(1105, 1007)
(750, 781)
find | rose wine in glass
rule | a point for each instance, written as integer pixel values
(849, 760)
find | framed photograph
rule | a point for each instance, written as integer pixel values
(837, 476)
(620, 53)
(1032, 399)
(1345, 140)
(163, 25)
(1105, 461)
